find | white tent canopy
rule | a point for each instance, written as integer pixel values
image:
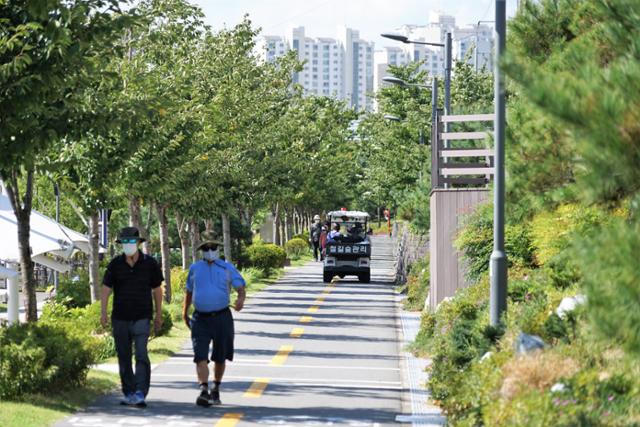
(46, 236)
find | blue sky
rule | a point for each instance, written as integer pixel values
(322, 17)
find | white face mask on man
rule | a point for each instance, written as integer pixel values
(130, 248)
(211, 255)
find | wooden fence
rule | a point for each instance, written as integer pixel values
(459, 166)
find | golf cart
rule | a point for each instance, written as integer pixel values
(350, 252)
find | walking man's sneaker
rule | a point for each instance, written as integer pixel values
(214, 397)
(127, 399)
(203, 398)
(138, 399)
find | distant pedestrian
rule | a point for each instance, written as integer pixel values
(314, 236)
(209, 284)
(323, 240)
(133, 277)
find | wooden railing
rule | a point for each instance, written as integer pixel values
(445, 170)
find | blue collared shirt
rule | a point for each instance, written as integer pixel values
(209, 284)
(331, 237)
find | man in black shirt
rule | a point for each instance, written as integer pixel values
(133, 277)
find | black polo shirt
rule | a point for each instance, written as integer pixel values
(132, 286)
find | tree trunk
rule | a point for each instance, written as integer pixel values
(163, 227)
(287, 230)
(135, 220)
(281, 227)
(276, 234)
(294, 222)
(145, 231)
(184, 240)
(195, 238)
(135, 216)
(94, 256)
(226, 234)
(22, 211)
(249, 220)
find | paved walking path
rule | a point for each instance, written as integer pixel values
(307, 353)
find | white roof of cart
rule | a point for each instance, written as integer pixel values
(350, 214)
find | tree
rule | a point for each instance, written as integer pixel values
(47, 55)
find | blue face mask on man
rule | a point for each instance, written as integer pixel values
(130, 246)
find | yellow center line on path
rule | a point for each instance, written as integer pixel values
(327, 291)
(281, 355)
(257, 388)
(306, 319)
(296, 333)
(229, 419)
(313, 309)
(319, 300)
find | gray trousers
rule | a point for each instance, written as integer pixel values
(126, 333)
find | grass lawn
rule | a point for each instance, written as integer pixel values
(45, 410)
(301, 261)
(3, 308)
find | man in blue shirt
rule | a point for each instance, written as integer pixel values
(208, 286)
(334, 235)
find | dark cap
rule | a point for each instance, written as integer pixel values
(129, 233)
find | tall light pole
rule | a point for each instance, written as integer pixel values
(447, 81)
(447, 66)
(498, 262)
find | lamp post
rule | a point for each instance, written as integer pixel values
(447, 65)
(498, 262)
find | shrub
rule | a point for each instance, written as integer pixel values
(296, 248)
(417, 285)
(167, 322)
(475, 240)
(75, 291)
(552, 231)
(84, 322)
(609, 264)
(22, 369)
(178, 284)
(39, 357)
(304, 236)
(266, 256)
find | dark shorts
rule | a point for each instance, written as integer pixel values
(217, 328)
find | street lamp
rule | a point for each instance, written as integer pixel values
(392, 118)
(498, 262)
(405, 39)
(447, 66)
(403, 83)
